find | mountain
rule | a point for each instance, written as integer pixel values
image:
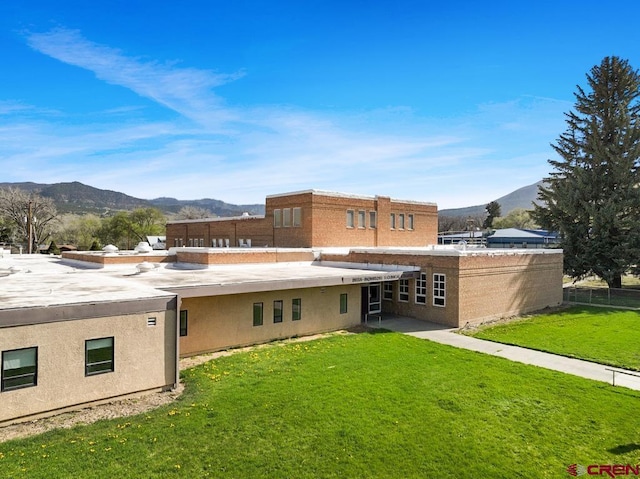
(220, 208)
(76, 197)
(520, 198)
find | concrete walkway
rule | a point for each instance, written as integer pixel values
(444, 335)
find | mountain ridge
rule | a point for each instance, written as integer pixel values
(523, 197)
(76, 197)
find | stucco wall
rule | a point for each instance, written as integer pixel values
(144, 358)
(220, 322)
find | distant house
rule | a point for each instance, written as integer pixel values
(521, 238)
(157, 242)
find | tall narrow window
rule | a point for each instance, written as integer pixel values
(277, 311)
(277, 218)
(439, 289)
(296, 309)
(403, 290)
(393, 221)
(98, 356)
(373, 220)
(19, 368)
(343, 303)
(410, 224)
(401, 221)
(362, 219)
(387, 291)
(286, 217)
(421, 289)
(350, 219)
(297, 217)
(257, 314)
(183, 322)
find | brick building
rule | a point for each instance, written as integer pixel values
(311, 219)
(97, 325)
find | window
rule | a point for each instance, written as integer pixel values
(257, 314)
(421, 289)
(401, 221)
(286, 217)
(343, 303)
(151, 322)
(403, 286)
(190, 242)
(393, 221)
(98, 356)
(277, 218)
(183, 322)
(297, 217)
(350, 219)
(410, 222)
(439, 289)
(362, 218)
(201, 242)
(19, 368)
(373, 223)
(277, 311)
(387, 291)
(296, 309)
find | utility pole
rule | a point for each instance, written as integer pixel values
(29, 228)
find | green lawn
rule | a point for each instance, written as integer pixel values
(369, 405)
(603, 335)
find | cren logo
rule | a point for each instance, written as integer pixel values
(576, 470)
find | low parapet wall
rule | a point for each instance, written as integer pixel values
(123, 257)
(210, 256)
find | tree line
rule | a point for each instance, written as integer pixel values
(28, 217)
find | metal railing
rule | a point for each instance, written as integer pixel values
(614, 371)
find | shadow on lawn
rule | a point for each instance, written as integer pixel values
(624, 448)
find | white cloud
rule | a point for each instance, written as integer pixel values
(242, 154)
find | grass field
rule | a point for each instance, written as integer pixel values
(364, 406)
(603, 335)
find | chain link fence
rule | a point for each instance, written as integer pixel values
(629, 298)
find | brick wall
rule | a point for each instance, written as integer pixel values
(323, 222)
(478, 287)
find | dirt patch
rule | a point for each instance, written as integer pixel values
(135, 405)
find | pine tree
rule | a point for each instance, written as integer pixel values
(493, 210)
(592, 196)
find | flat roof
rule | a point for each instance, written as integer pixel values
(43, 281)
(336, 194)
(38, 281)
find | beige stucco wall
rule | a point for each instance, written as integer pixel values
(220, 322)
(144, 359)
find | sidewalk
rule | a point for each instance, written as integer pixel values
(445, 335)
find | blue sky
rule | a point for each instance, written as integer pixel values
(451, 102)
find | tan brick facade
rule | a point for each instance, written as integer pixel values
(478, 286)
(317, 219)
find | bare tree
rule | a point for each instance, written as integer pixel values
(32, 216)
(193, 213)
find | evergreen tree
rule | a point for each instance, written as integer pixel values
(592, 196)
(493, 210)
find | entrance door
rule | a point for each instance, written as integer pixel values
(371, 300)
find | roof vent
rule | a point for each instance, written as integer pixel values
(110, 248)
(145, 267)
(143, 247)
